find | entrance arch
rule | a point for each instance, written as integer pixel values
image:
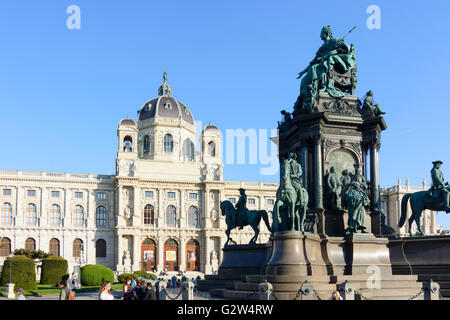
(193, 255)
(148, 255)
(171, 255)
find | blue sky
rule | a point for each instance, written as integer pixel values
(234, 63)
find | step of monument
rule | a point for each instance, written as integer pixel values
(212, 277)
(364, 277)
(252, 295)
(284, 287)
(407, 293)
(217, 292)
(286, 279)
(385, 298)
(435, 277)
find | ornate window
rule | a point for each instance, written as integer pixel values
(188, 150)
(251, 201)
(127, 144)
(76, 248)
(55, 194)
(149, 215)
(6, 214)
(100, 248)
(30, 244)
(6, 192)
(168, 143)
(54, 247)
(55, 215)
(101, 217)
(5, 247)
(78, 216)
(147, 145)
(31, 193)
(211, 149)
(193, 216)
(171, 215)
(31, 214)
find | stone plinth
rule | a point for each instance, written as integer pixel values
(244, 259)
(296, 253)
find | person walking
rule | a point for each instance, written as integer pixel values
(149, 292)
(127, 289)
(105, 291)
(65, 290)
(335, 296)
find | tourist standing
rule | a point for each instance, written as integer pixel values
(105, 291)
(335, 296)
(20, 295)
(127, 289)
(65, 290)
(149, 292)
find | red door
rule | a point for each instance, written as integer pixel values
(192, 256)
(148, 255)
(171, 255)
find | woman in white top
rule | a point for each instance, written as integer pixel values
(105, 291)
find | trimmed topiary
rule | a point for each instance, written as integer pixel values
(144, 274)
(121, 278)
(96, 274)
(23, 273)
(53, 269)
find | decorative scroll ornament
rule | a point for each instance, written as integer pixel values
(339, 106)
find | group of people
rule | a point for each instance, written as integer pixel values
(138, 290)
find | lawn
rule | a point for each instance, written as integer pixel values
(45, 289)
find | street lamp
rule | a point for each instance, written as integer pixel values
(10, 266)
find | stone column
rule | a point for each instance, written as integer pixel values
(182, 253)
(136, 253)
(206, 267)
(433, 222)
(375, 176)
(18, 207)
(160, 254)
(182, 219)
(305, 166)
(318, 173)
(206, 214)
(160, 221)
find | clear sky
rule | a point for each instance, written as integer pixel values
(234, 63)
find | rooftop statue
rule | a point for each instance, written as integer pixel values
(241, 217)
(333, 57)
(435, 199)
(368, 104)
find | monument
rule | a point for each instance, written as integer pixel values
(326, 226)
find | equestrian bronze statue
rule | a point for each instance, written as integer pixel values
(435, 199)
(241, 217)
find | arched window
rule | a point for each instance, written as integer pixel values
(100, 248)
(149, 215)
(76, 248)
(147, 145)
(54, 247)
(5, 247)
(193, 216)
(30, 244)
(212, 149)
(127, 144)
(168, 143)
(78, 216)
(31, 214)
(171, 215)
(101, 216)
(6, 214)
(188, 150)
(55, 215)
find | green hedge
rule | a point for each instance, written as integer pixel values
(144, 274)
(95, 275)
(122, 277)
(53, 269)
(23, 273)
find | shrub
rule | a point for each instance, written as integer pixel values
(144, 274)
(53, 269)
(121, 278)
(33, 254)
(23, 273)
(95, 275)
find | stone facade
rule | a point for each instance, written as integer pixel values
(164, 189)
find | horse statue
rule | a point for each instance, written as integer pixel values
(295, 204)
(419, 201)
(252, 218)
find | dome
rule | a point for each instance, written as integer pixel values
(165, 106)
(127, 122)
(211, 127)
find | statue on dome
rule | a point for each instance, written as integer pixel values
(333, 70)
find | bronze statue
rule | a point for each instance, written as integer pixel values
(241, 209)
(435, 199)
(249, 217)
(357, 200)
(287, 121)
(345, 181)
(368, 104)
(332, 187)
(289, 211)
